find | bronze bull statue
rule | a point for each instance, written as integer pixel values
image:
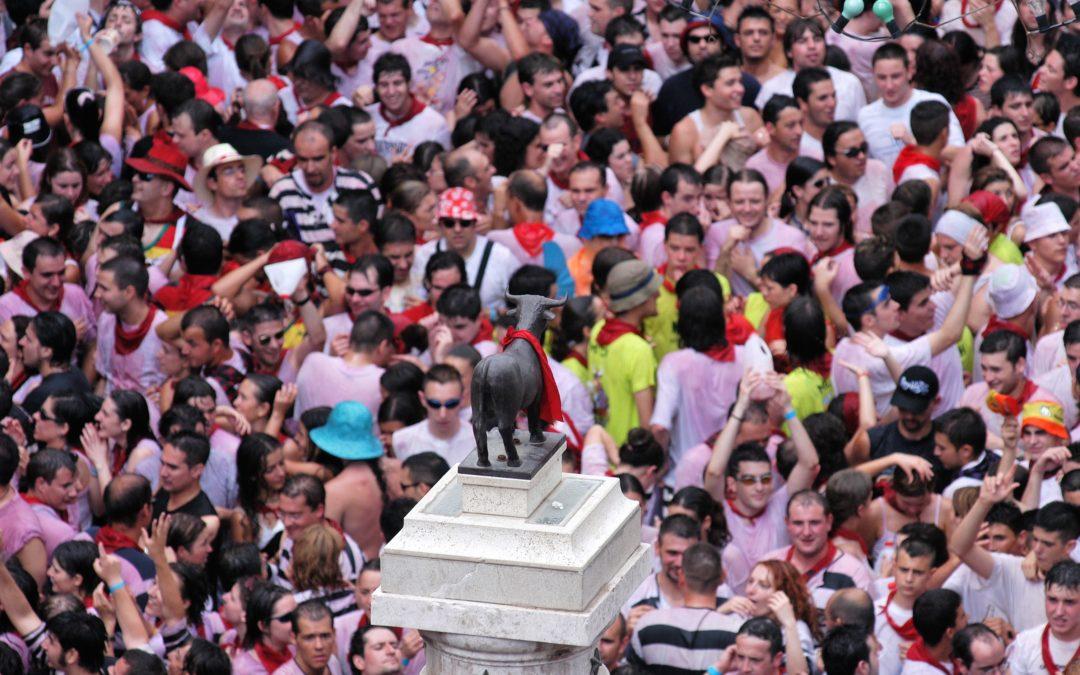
(506, 383)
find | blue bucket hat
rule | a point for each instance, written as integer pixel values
(603, 218)
(347, 433)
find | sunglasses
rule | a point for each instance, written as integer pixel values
(45, 417)
(749, 481)
(697, 39)
(856, 150)
(883, 296)
(362, 292)
(266, 339)
(142, 175)
(284, 618)
(454, 223)
(821, 182)
(449, 403)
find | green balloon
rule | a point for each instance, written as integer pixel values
(853, 8)
(884, 10)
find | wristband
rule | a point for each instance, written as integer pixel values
(790, 415)
(711, 670)
(116, 587)
(86, 45)
(404, 662)
(735, 417)
(972, 268)
(304, 301)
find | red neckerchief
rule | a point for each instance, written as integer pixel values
(832, 252)
(270, 658)
(337, 527)
(486, 332)
(20, 290)
(906, 631)
(274, 41)
(1048, 659)
(826, 560)
(996, 324)
(31, 499)
(736, 511)
(417, 312)
(613, 330)
(533, 236)
(278, 81)
(888, 493)
(20, 380)
(667, 283)
(128, 341)
(190, 291)
(584, 361)
(155, 15)
(724, 353)
(919, 652)
(415, 108)
(822, 365)
(119, 459)
(88, 602)
(854, 536)
(327, 102)
(650, 218)
(438, 42)
(561, 183)
(112, 540)
(737, 329)
(774, 325)
(901, 335)
(176, 214)
(910, 156)
(550, 402)
(1028, 391)
(964, 13)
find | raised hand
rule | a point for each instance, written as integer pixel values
(857, 371)
(780, 606)
(94, 445)
(285, 396)
(873, 345)
(913, 465)
(976, 242)
(737, 605)
(107, 567)
(997, 488)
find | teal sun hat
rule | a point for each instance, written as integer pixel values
(347, 433)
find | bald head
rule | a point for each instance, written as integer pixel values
(126, 498)
(850, 607)
(529, 188)
(261, 101)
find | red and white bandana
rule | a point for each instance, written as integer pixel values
(458, 203)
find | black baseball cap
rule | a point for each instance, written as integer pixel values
(624, 56)
(916, 390)
(27, 121)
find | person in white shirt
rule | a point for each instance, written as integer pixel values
(886, 122)
(162, 28)
(977, 650)
(937, 616)
(1051, 647)
(665, 49)
(895, 626)
(402, 121)
(443, 431)
(221, 185)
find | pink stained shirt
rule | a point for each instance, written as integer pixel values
(873, 189)
(54, 529)
(336, 325)
(650, 246)
(328, 380)
(777, 235)
(75, 305)
(751, 539)
(916, 352)
(568, 243)
(20, 525)
(975, 398)
(772, 170)
(1049, 353)
(695, 391)
(137, 370)
(843, 565)
(846, 276)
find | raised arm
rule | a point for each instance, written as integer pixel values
(806, 457)
(725, 442)
(1032, 496)
(483, 49)
(172, 602)
(313, 322)
(974, 260)
(993, 490)
(128, 615)
(338, 40)
(16, 606)
(652, 152)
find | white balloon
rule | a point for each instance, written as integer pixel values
(62, 24)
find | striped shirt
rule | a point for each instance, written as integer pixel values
(682, 640)
(308, 214)
(351, 561)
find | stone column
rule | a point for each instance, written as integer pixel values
(513, 575)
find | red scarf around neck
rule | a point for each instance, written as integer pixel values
(274, 41)
(23, 292)
(774, 325)
(113, 540)
(171, 219)
(614, 329)
(911, 156)
(826, 560)
(31, 499)
(832, 252)
(995, 324)
(550, 402)
(747, 516)
(906, 630)
(415, 108)
(270, 658)
(1048, 658)
(532, 237)
(128, 341)
(919, 652)
(438, 42)
(650, 218)
(486, 332)
(738, 329)
(724, 353)
(166, 20)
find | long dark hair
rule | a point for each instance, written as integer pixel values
(800, 170)
(577, 315)
(131, 406)
(833, 198)
(701, 319)
(250, 467)
(804, 317)
(260, 608)
(703, 505)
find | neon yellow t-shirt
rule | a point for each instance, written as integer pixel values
(661, 328)
(619, 370)
(1006, 250)
(810, 392)
(576, 367)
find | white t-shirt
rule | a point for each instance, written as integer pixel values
(391, 140)
(916, 352)
(850, 97)
(889, 661)
(876, 121)
(501, 265)
(418, 438)
(1026, 657)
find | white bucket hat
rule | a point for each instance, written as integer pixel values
(219, 155)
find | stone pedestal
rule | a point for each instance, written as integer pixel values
(513, 575)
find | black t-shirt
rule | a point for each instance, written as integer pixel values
(678, 97)
(886, 439)
(199, 506)
(262, 142)
(71, 381)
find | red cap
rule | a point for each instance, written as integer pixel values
(164, 159)
(995, 213)
(203, 91)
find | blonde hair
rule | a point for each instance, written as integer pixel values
(315, 556)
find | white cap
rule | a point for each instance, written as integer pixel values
(1012, 290)
(955, 225)
(1042, 220)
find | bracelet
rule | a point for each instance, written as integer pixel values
(711, 670)
(404, 662)
(972, 268)
(790, 415)
(735, 417)
(304, 301)
(116, 587)
(86, 45)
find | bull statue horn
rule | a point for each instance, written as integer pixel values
(514, 299)
(553, 302)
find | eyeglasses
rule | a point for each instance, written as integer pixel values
(749, 481)
(285, 618)
(856, 150)
(883, 296)
(697, 39)
(454, 223)
(270, 337)
(362, 292)
(449, 403)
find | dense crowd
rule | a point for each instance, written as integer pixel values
(820, 318)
